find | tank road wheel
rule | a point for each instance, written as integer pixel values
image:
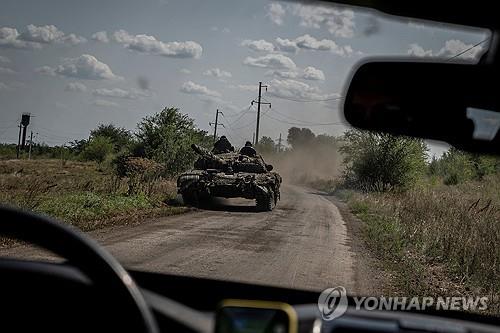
(190, 199)
(265, 203)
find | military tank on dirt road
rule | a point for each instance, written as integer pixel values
(230, 175)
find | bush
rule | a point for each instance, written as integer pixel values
(381, 162)
(97, 149)
(456, 166)
(142, 173)
(166, 138)
(119, 136)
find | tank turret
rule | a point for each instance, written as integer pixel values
(207, 160)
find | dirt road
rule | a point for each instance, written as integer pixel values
(303, 243)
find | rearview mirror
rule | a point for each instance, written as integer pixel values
(455, 103)
(269, 167)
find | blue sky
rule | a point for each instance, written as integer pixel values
(75, 64)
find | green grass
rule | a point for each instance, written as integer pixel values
(82, 194)
(437, 239)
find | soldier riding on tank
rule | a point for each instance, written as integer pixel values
(222, 146)
(248, 150)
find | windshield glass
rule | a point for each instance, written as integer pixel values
(102, 102)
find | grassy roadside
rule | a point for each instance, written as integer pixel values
(437, 240)
(82, 194)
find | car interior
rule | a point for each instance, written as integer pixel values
(90, 291)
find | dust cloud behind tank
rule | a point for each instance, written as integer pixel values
(230, 175)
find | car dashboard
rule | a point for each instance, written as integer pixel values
(57, 293)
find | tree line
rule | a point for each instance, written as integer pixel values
(370, 161)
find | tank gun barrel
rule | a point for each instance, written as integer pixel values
(207, 154)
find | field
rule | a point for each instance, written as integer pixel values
(436, 239)
(82, 194)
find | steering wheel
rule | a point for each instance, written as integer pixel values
(84, 254)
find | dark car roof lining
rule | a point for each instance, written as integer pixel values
(479, 13)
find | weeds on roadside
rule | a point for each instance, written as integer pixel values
(453, 230)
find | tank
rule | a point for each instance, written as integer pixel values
(230, 175)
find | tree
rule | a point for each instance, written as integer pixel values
(456, 166)
(166, 137)
(375, 161)
(119, 136)
(266, 145)
(97, 149)
(77, 146)
(299, 137)
(325, 139)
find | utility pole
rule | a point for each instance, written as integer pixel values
(18, 142)
(253, 138)
(31, 143)
(216, 124)
(259, 102)
(279, 144)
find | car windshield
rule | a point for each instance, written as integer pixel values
(207, 139)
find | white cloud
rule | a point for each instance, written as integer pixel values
(311, 73)
(416, 25)
(308, 42)
(73, 39)
(197, 89)
(5, 70)
(283, 74)
(185, 71)
(455, 46)
(119, 93)
(451, 48)
(10, 86)
(224, 30)
(48, 34)
(418, 51)
(339, 22)
(258, 45)
(296, 90)
(101, 36)
(275, 12)
(42, 34)
(5, 60)
(247, 87)
(46, 70)
(150, 45)
(104, 103)
(85, 66)
(308, 73)
(35, 36)
(217, 72)
(273, 61)
(75, 87)
(287, 45)
(9, 37)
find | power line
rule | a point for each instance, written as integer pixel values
(304, 124)
(241, 116)
(309, 100)
(292, 118)
(467, 49)
(244, 126)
